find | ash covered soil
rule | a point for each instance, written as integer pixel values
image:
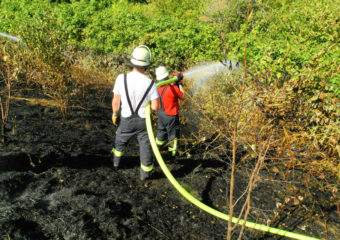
(57, 182)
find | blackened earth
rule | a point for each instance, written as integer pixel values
(57, 182)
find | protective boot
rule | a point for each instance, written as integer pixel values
(116, 158)
(115, 162)
(172, 148)
(144, 175)
(160, 144)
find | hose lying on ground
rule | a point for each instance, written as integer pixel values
(196, 202)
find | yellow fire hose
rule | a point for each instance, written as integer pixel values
(196, 202)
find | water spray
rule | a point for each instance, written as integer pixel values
(10, 37)
(195, 201)
(202, 73)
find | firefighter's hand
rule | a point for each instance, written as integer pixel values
(179, 83)
(115, 119)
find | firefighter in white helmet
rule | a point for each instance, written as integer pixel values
(168, 121)
(131, 93)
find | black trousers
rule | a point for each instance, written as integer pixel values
(130, 127)
(168, 126)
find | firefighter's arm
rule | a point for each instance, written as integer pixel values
(155, 104)
(115, 108)
(180, 86)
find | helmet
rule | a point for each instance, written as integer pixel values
(161, 73)
(141, 57)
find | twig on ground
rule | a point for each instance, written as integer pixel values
(153, 227)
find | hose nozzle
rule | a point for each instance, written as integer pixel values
(178, 76)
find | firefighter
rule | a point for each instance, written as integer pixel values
(132, 91)
(168, 120)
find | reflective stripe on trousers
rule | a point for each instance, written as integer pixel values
(146, 168)
(159, 142)
(117, 153)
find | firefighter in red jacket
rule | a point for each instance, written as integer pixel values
(168, 120)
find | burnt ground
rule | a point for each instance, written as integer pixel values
(57, 182)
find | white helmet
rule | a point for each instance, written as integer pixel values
(141, 57)
(161, 73)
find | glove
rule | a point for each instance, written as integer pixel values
(179, 83)
(115, 119)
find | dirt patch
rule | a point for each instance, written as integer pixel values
(57, 182)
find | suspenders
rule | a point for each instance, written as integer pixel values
(135, 113)
(161, 97)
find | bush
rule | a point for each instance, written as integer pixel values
(172, 28)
